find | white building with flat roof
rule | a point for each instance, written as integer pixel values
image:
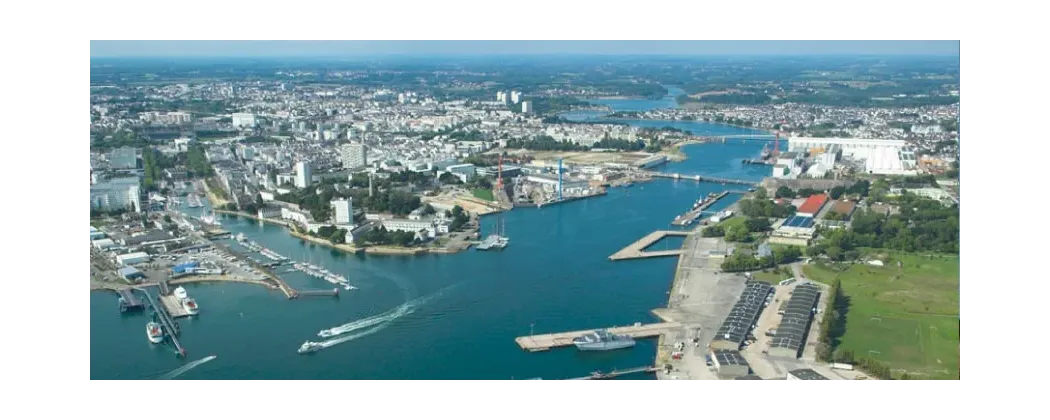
(342, 211)
(117, 194)
(465, 172)
(880, 156)
(243, 120)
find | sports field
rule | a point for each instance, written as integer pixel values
(484, 194)
(906, 316)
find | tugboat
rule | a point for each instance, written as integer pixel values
(310, 347)
(154, 333)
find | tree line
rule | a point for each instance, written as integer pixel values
(742, 261)
(922, 224)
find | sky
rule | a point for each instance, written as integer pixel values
(100, 49)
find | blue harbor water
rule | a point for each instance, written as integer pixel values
(441, 316)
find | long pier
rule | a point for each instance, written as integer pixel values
(171, 328)
(637, 249)
(615, 373)
(544, 342)
(700, 178)
(691, 215)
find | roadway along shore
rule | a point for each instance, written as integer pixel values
(374, 250)
(96, 286)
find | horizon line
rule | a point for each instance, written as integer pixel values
(542, 54)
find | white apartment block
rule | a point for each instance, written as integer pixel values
(117, 194)
(303, 175)
(353, 155)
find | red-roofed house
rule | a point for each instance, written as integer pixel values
(812, 206)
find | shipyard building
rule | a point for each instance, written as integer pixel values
(880, 156)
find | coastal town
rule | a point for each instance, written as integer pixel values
(406, 171)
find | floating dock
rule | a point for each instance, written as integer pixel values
(688, 217)
(174, 308)
(545, 342)
(128, 301)
(636, 250)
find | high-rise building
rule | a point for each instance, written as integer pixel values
(342, 211)
(501, 96)
(515, 96)
(353, 155)
(526, 107)
(243, 120)
(303, 175)
(117, 194)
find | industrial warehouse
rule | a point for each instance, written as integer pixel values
(873, 156)
(742, 318)
(729, 363)
(790, 335)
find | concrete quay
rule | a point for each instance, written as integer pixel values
(544, 342)
(700, 299)
(173, 306)
(637, 249)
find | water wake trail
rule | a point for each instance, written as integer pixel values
(385, 317)
(351, 337)
(175, 373)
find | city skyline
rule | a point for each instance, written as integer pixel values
(256, 49)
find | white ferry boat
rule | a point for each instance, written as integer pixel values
(190, 306)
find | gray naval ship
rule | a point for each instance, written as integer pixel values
(600, 340)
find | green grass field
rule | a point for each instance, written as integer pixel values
(772, 278)
(484, 194)
(906, 317)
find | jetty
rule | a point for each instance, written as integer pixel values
(693, 214)
(616, 373)
(333, 292)
(544, 342)
(637, 249)
(128, 301)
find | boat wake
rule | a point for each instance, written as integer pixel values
(175, 373)
(351, 337)
(383, 318)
